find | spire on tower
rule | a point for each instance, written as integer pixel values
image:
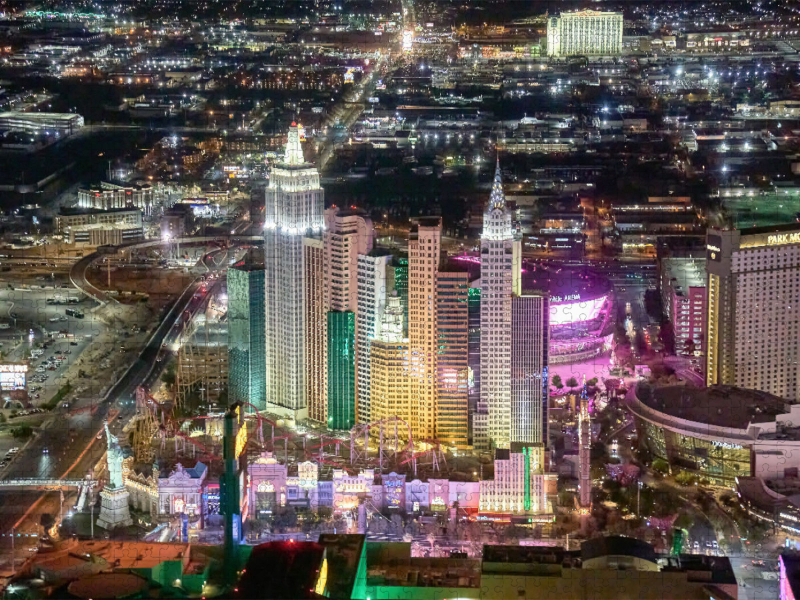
(497, 198)
(294, 152)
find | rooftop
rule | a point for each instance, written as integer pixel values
(687, 273)
(719, 405)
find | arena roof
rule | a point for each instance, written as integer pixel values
(721, 405)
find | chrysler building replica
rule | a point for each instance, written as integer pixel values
(499, 280)
(293, 209)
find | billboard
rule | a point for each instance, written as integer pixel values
(575, 312)
(12, 377)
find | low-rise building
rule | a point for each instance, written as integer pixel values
(109, 196)
(99, 227)
(62, 123)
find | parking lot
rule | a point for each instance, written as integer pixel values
(37, 329)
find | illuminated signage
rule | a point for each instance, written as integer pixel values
(12, 377)
(241, 439)
(565, 298)
(726, 445)
(783, 238)
(713, 247)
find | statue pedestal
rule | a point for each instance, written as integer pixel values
(114, 511)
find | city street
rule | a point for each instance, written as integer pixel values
(70, 450)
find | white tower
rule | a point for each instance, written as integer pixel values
(293, 208)
(498, 282)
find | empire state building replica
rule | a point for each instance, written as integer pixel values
(294, 206)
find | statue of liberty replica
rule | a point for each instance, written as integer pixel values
(114, 511)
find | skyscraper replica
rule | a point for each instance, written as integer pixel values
(315, 336)
(753, 295)
(498, 249)
(452, 359)
(584, 32)
(375, 279)
(348, 234)
(424, 248)
(246, 343)
(293, 209)
(529, 382)
(389, 367)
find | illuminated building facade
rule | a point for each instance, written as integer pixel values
(272, 486)
(753, 287)
(348, 234)
(683, 295)
(584, 32)
(452, 360)
(720, 433)
(165, 494)
(374, 282)
(499, 254)
(390, 367)
(293, 209)
(519, 481)
(350, 490)
(584, 450)
(316, 323)
(246, 329)
(529, 380)
(424, 247)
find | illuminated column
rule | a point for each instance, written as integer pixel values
(585, 440)
(229, 492)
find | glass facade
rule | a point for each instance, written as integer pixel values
(246, 335)
(400, 267)
(474, 352)
(341, 370)
(716, 460)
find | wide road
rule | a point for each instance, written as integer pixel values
(72, 442)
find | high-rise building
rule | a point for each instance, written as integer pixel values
(498, 256)
(399, 268)
(753, 291)
(341, 369)
(474, 357)
(584, 32)
(246, 343)
(424, 248)
(374, 284)
(293, 208)
(390, 367)
(348, 234)
(683, 296)
(316, 329)
(452, 359)
(529, 381)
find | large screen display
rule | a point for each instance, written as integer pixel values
(575, 312)
(12, 377)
